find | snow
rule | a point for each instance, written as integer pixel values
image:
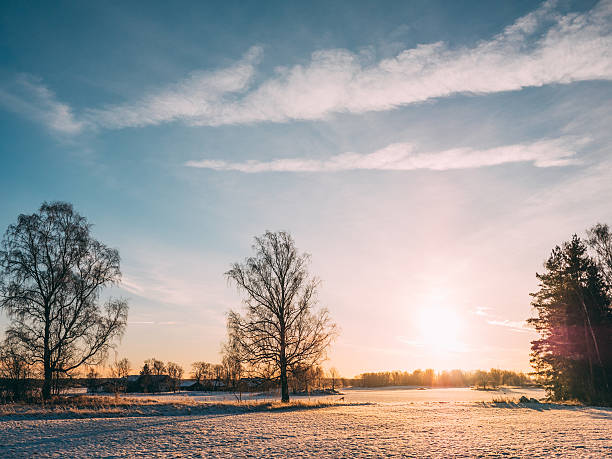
(399, 422)
(385, 395)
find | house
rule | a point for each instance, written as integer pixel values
(151, 383)
(187, 384)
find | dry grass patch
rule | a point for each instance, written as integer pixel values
(97, 406)
(523, 402)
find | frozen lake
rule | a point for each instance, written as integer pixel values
(400, 422)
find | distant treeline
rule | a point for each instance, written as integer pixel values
(453, 378)
(157, 376)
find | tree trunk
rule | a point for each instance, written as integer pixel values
(588, 352)
(48, 374)
(283, 364)
(46, 389)
(595, 345)
(283, 373)
(284, 383)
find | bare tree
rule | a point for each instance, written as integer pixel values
(303, 378)
(51, 275)
(120, 370)
(145, 370)
(217, 370)
(200, 371)
(495, 377)
(157, 367)
(481, 379)
(175, 371)
(15, 368)
(279, 328)
(233, 365)
(600, 240)
(333, 374)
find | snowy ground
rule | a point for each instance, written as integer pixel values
(400, 422)
(399, 394)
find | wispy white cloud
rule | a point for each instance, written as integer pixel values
(202, 94)
(406, 156)
(158, 285)
(543, 47)
(29, 97)
(481, 311)
(540, 48)
(514, 325)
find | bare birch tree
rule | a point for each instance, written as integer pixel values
(333, 374)
(279, 328)
(600, 240)
(175, 371)
(15, 368)
(120, 370)
(51, 275)
(200, 371)
(157, 367)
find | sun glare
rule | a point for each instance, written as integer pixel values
(440, 327)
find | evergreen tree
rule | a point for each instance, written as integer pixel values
(573, 357)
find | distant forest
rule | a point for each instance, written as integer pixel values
(455, 378)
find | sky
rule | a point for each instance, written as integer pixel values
(428, 155)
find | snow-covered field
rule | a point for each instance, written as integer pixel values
(401, 394)
(399, 422)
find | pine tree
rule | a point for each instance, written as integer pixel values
(572, 358)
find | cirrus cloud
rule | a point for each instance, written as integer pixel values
(544, 47)
(28, 96)
(407, 156)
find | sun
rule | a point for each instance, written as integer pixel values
(440, 328)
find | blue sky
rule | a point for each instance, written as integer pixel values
(428, 155)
